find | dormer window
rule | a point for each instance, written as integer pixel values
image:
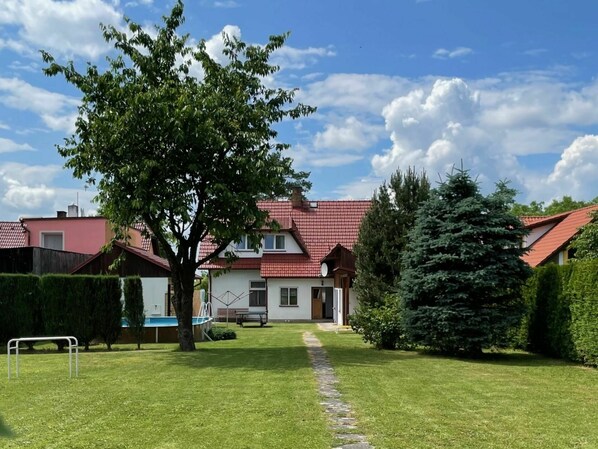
(274, 242)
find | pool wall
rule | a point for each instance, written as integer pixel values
(161, 334)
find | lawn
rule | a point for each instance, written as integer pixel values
(259, 392)
(254, 392)
(511, 400)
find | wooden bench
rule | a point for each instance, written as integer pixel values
(232, 313)
(252, 317)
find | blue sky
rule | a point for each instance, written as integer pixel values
(507, 87)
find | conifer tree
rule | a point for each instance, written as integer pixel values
(462, 271)
(383, 233)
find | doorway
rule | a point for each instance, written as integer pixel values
(321, 303)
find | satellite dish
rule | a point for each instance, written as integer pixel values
(324, 269)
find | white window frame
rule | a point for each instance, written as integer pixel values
(42, 238)
(276, 238)
(258, 289)
(288, 289)
(243, 244)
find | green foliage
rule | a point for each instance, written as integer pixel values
(19, 306)
(383, 235)
(462, 270)
(562, 318)
(188, 156)
(381, 326)
(5, 430)
(221, 333)
(583, 295)
(586, 243)
(108, 311)
(69, 307)
(565, 204)
(134, 312)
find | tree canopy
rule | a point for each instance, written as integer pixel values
(462, 271)
(556, 206)
(189, 156)
(383, 235)
(586, 242)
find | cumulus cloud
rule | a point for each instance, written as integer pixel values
(9, 146)
(63, 28)
(459, 52)
(351, 134)
(24, 188)
(57, 111)
(298, 58)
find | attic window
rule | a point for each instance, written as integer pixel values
(274, 242)
(52, 240)
(242, 244)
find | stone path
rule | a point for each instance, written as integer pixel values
(342, 423)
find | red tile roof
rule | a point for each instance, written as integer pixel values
(12, 235)
(318, 229)
(567, 227)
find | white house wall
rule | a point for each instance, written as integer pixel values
(302, 311)
(229, 286)
(154, 295)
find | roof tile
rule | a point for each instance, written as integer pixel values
(12, 234)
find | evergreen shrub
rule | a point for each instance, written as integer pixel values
(19, 306)
(221, 333)
(134, 312)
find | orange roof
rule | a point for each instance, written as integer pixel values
(317, 230)
(12, 234)
(567, 226)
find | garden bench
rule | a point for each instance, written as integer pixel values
(252, 317)
(232, 313)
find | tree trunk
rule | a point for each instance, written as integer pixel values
(182, 280)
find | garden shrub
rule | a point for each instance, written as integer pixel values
(134, 312)
(221, 333)
(583, 290)
(381, 326)
(19, 306)
(108, 309)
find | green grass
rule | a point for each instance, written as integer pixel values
(259, 392)
(254, 392)
(512, 400)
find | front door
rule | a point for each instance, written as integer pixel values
(316, 303)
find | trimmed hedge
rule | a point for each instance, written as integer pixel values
(562, 318)
(221, 333)
(19, 306)
(134, 312)
(108, 308)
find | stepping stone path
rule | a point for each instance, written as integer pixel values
(342, 423)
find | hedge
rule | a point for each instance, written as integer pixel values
(134, 312)
(562, 318)
(19, 306)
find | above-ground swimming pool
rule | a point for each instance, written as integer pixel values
(163, 329)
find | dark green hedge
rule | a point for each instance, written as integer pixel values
(19, 306)
(562, 319)
(134, 312)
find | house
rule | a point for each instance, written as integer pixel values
(550, 236)
(153, 270)
(303, 271)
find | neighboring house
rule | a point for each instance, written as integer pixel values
(303, 271)
(550, 236)
(153, 270)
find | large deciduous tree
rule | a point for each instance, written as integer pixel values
(462, 271)
(383, 235)
(187, 155)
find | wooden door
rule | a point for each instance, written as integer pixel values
(316, 303)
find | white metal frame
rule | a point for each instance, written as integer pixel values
(73, 342)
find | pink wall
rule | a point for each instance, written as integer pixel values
(81, 235)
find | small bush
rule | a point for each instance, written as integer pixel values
(222, 333)
(381, 326)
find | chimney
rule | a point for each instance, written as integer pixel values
(297, 197)
(60, 214)
(73, 210)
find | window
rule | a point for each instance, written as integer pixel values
(257, 294)
(288, 296)
(274, 242)
(242, 244)
(52, 240)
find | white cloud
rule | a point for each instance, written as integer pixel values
(459, 52)
(226, 4)
(351, 134)
(363, 188)
(215, 45)
(8, 146)
(298, 58)
(24, 188)
(58, 111)
(64, 28)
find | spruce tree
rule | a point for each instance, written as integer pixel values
(462, 270)
(383, 235)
